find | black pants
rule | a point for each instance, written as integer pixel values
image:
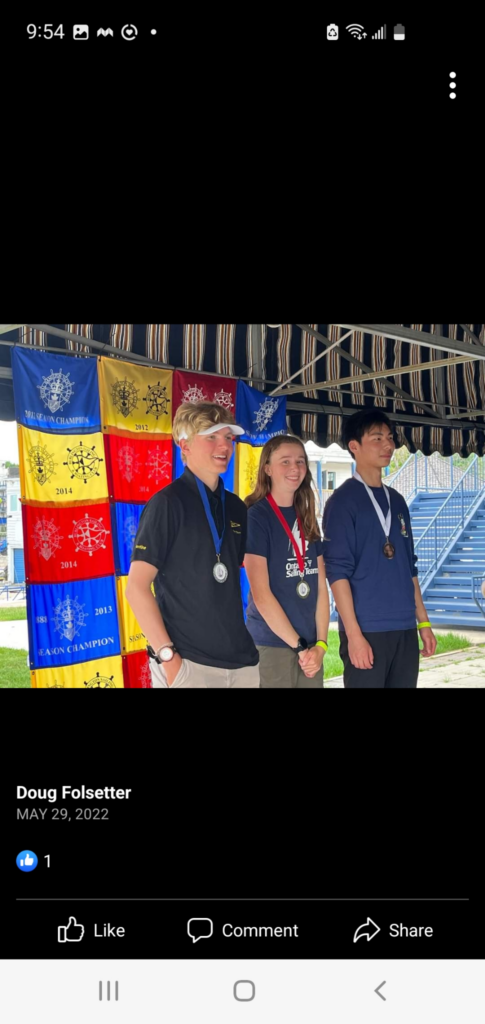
(396, 661)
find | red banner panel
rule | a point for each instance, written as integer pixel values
(199, 387)
(136, 671)
(137, 469)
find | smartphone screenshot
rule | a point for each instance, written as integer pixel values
(391, 62)
(178, 880)
(259, 856)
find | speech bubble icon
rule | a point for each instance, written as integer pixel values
(200, 928)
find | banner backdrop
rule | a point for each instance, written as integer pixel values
(55, 392)
(83, 494)
(101, 674)
(132, 638)
(73, 622)
(67, 543)
(136, 671)
(134, 397)
(248, 459)
(262, 417)
(137, 469)
(198, 387)
(61, 468)
(126, 519)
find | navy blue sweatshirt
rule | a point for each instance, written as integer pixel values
(382, 588)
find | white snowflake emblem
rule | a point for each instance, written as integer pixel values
(129, 532)
(266, 412)
(158, 464)
(194, 394)
(224, 398)
(56, 390)
(46, 537)
(69, 617)
(128, 462)
(89, 534)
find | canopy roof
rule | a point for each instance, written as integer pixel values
(429, 378)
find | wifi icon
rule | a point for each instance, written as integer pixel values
(357, 31)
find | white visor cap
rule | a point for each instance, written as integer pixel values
(217, 426)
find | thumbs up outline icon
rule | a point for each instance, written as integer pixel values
(71, 932)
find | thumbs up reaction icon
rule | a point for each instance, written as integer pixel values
(27, 860)
(72, 932)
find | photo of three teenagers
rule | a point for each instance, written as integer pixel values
(194, 536)
(294, 506)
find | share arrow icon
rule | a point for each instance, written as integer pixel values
(370, 929)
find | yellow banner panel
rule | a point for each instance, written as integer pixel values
(61, 468)
(132, 638)
(247, 466)
(135, 397)
(102, 674)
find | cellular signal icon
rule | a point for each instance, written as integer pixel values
(357, 31)
(381, 33)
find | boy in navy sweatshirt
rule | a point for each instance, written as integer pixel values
(371, 566)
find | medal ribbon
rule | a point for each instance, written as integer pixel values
(210, 519)
(299, 554)
(385, 523)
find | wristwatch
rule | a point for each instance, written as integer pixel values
(164, 653)
(302, 645)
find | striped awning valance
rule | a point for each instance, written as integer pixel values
(436, 407)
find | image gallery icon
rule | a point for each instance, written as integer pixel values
(80, 32)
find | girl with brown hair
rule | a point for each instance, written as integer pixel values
(288, 609)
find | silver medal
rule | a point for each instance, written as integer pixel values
(220, 572)
(303, 589)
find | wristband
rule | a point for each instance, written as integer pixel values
(424, 625)
(321, 643)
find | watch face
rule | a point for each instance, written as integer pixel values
(166, 653)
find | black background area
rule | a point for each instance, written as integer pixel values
(261, 798)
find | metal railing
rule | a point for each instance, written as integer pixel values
(431, 473)
(13, 590)
(448, 523)
(478, 587)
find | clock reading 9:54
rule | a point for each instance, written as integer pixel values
(45, 31)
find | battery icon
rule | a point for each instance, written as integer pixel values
(399, 32)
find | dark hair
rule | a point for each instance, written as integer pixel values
(304, 499)
(361, 422)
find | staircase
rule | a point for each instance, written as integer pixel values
(423, 509)
(450, 598)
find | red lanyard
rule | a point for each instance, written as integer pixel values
(299, 554)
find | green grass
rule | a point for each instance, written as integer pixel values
(452, 642)
(14, 673)
(12, 614)
(334, 666)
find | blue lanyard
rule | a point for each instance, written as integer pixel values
(205, 501)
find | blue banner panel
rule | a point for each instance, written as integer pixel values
(126, 518)
(55, 392)
(261, 417)
(179, 466)
(72, 622)
(245, 589)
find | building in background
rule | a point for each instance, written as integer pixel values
(15, 541)
(330, 467)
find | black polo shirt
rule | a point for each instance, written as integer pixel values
(204, 618)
